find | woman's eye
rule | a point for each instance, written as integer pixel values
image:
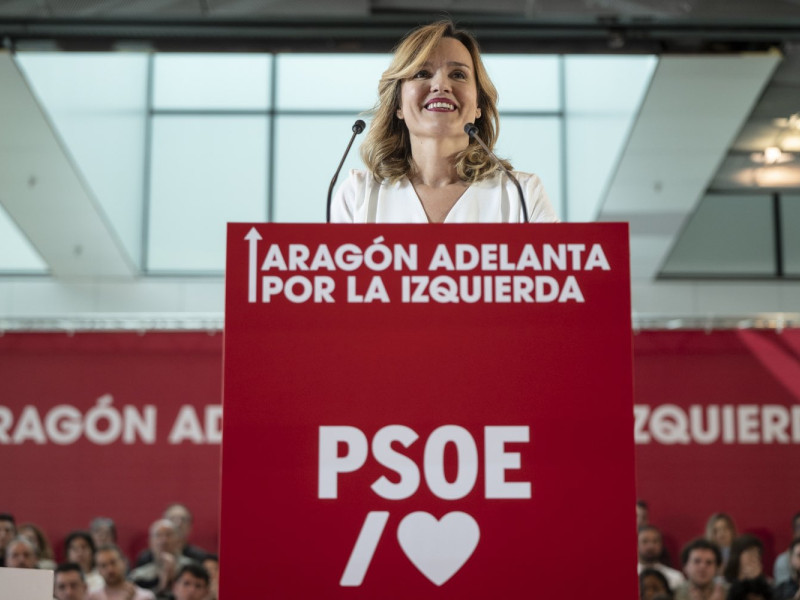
(421, 74)
(458, 75)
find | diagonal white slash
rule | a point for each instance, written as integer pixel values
(367, 542)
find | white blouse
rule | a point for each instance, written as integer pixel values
(361, 199)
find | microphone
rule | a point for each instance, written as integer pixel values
(358, 127)
(472, 131)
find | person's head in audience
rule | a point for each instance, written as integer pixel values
(796, 525)
(79, 548)
(163, 538)
(211, 564)
(182, 518)
(701, 559)
(8, 531)
(68, 582)
(191, 583)
(652, 583)
(642, 514)
(794, 558)
(21, 554)
(110, 565)
(750, 589)
(36, 537)
(650, 545)
(744, 561)
(104, 531)
(721, 530)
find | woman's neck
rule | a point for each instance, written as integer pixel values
(434, 162)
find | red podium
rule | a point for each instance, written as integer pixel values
(437, 411)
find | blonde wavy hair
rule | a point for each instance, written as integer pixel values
(387, 148)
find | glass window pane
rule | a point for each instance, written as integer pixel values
(727, 235)
(533, 145)
(790, 225)
(603, 84)
(329, 82)
(205, 172)
(303, 171)
(212, 81)
(17, 255)
(528, 83)
(98, 104)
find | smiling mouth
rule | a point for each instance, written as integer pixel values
(440, 106)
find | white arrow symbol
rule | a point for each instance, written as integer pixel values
(253, 237)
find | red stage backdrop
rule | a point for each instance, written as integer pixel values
(56, 474)
(116, 425)
(426, 411)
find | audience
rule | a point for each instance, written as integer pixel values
(8, 531)
(79, 548)
(750, 589)
(653, 584)
(721, 530)
(182, 518)
(21, 554)
(68, 583)
(701, 560)
(159, 574)
(745, 559)
(41, 545)
(789, 589)
(111, 565)
(211, 564)
(781, 571)
(650, 551)
(103, 531)
(191, 583)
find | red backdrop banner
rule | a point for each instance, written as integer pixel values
(110, 424)
(426, 411)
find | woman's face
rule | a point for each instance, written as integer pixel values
(750, 564)
(651, 587)
(442, 97)
(80, 552)
(723, 535)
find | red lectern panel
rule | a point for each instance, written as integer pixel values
(428, 412)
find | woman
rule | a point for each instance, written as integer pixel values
(44, 552)
(746, 562)
(721, 530)
(653, 584)
(422, 166)
(79, 549)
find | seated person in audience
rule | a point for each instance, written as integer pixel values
(191, 583)
(781, 571)
(789, 589)
(745, 559)
(68, 583)
(750, 589)
(21, 554)
(211, 564)
(650, 550)
(44, 551)
(701, 560)
(103, 531)
(110, 563)
(79, 548)
(721, 530)
(653, 584)
(8, 531)
(642, 514)
(159, 574)
(182, 518)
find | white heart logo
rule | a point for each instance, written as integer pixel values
(438, 548)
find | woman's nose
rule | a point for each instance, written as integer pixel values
(440, 82)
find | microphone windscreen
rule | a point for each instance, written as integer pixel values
(471, 129)
(358, 126)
